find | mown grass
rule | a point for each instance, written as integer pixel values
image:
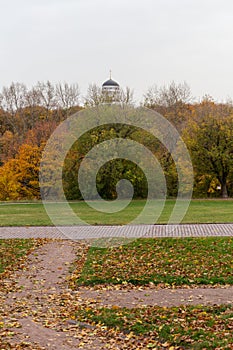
(188, 327)
(23, 214)
(169, 261)
(34, 214)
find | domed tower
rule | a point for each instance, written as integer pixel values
(111, 90)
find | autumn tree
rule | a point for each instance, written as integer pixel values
(208, 106)
(9, 185)
(9, 146)
(172, 101)
(23, 108)
(39, 135)
(210, 141)
(19, 177)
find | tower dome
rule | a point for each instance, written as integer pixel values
(110, 82)
(111, 90)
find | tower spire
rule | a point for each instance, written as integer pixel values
(110, 74)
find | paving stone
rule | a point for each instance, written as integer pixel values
(126, 231)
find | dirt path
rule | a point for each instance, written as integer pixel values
(160, 297)
(29, 308)
(36, 309)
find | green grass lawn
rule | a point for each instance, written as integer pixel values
(33, 214)
(168, 261)
(185, 327)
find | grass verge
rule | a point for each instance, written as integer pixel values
(184, 327)
(12, 250)
(169, 261)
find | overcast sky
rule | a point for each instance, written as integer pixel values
(144, 42)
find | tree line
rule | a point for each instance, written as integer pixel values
(28, 116)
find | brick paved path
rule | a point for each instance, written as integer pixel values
(136, 231)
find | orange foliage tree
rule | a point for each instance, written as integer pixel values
(19, 177)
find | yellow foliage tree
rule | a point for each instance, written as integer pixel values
(9, 186)
(19, 177)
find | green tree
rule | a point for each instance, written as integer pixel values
(109, 174)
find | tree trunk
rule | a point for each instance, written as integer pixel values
(224, 193)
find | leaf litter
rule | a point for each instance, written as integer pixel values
(41, 310)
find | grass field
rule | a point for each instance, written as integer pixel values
(168, 261)
(185, 327)
(33, 214)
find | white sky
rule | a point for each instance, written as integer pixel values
(144, 42)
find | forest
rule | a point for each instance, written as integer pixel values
(28, 116)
